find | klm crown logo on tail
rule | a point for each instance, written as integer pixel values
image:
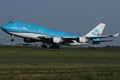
(97, 31)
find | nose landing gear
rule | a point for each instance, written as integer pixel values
(12, 38)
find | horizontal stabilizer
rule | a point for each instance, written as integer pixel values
(106, 40)
(115, 35)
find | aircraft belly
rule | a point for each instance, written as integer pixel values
(28, 35)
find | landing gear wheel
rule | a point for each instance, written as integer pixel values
(44, 46)
(55, 46)
(12, 40)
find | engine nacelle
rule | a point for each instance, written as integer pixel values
(94, 42)
(57, 39)
(82, 40)
(29, 40)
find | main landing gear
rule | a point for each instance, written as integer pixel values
(54, 46)
(44, 46)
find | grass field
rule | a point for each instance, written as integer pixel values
(33, 63)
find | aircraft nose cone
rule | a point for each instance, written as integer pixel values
(4, 28)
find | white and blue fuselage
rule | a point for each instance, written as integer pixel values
(32, 31)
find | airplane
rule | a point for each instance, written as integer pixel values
(54, 39)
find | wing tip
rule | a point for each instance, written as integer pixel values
(116, 35)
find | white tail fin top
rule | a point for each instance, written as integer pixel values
(97, 31)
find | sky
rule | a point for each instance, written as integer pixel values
(72, 16)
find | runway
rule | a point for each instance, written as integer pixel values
(38, 63)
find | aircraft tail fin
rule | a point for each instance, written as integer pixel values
(97, 31)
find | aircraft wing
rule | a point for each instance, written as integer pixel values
(45, 39)
(115, 35)
(70, 39)
(64, 39)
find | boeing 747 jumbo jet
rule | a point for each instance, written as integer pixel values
(54, 39)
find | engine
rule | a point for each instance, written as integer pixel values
(57, 39)
(29, 40)
(82, 40)
(94, 42)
